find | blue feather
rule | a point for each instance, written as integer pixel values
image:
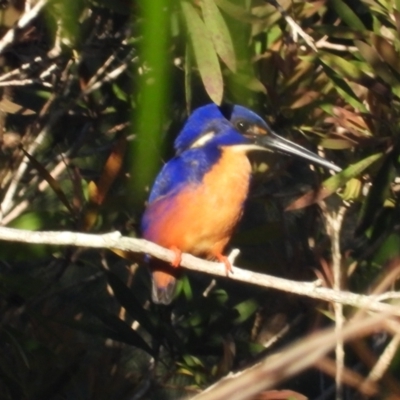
(202, 119)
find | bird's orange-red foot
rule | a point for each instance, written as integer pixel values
(226, 262)
(176, 262)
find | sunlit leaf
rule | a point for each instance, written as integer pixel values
(111, 170)
(343, 88)
(236, 11)
(10, 107)
(245, 309)
(204, 53)
(333, 183)
(219, 33)
(249, 82)
(386, 51)
(373, 58)
(352, 190)
(305, 99)
(336, 144)
(341, 66)
(340, 32)
(347, 14)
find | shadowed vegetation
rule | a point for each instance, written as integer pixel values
(93, 94)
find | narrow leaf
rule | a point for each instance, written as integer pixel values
(111, 169)
(219, 33)
(373, 58)
(10, 107)
(386, 51)
(50, 180)
(120, 327)
(347, 14)
(333, 183)
(129, 301)
(204, 53)
(336, 144)
(342, 66)
(343, 88)
(377, 195)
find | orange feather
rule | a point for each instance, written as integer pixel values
(200, 218)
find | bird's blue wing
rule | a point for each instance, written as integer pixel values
(170, 178)
(187, 168)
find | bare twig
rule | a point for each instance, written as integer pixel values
(334, 223)
(25, 19)
(8, 200)
(26, 82)
(384, 361)
(95, 82)
(350, 377)
(296, 29)
(324, 44)
(274, 369)
(43, 185)
(114, 240)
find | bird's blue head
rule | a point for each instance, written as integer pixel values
(207, 125)
(206, 121)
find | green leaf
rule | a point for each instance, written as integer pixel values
(119, 93)
(341, 66)
(343, 88)
(373, 58)
(336, 144)
(387, 52)
(340, 32)
(389, 250)
(377, 195)
(237, 12)
(347, 14)
(249, 82)
(333, 183)
(219, 33)
(245, 309)
(204, 53)
(186, 288)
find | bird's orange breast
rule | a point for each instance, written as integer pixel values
(201, 217)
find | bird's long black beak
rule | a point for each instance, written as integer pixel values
(270, 140)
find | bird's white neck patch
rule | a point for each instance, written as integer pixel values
(203, 139)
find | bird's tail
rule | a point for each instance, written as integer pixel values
(163, 282)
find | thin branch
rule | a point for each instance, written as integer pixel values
(8, 201)
(43, 185)
(276, 368)
(26, 82)
(324, 44)
(114, 240)
(384, 361)
(334, 224)
(26, 18)
(296, 29)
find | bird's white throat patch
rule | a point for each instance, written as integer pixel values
(203, 139)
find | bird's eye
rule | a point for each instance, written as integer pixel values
(242, 126)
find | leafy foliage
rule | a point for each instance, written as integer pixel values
(94, 92)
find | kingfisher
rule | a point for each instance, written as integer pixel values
(198, 197)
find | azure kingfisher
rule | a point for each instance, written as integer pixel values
(198, 197)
